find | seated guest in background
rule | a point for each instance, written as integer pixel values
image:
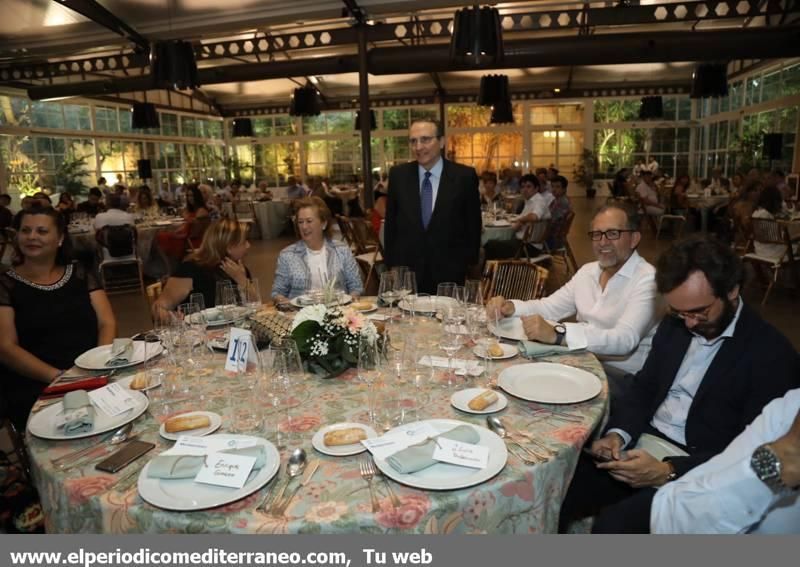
(316, 258)
(559, 209)
(218, 258)
(65, 203)
(116, 215)
(546, 178)
(6, 216)
(648, 195)
(378, 212)
(737, 184)
(713, 366)
(715, 182)
(174, 243)
(28, 202)
(51, 311)
(535, 209)
(614, 299)
(43, 199)
(145, 205)
(770, 206)
(102, 184)
(489, 192)
(93, 204)
(742, 209)
(263, 193)
(619, 188)
(745, 489)
(296, 190)
(652, 165)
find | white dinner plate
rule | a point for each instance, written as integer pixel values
(509, 351)
(549, 383)
(96, 358)
(216, 422)
(430, 304)
(185, 494)
(444, 476)
(305, 300)
(216, 316)
(42, 424)
(498, 224)
(460, 400)
(509, 328)
(155, 382)
(317, 441)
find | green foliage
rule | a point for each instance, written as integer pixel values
(303, 334)
(584, 171)
(70, 175)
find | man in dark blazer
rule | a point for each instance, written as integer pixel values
(714, 364)
(433, 212)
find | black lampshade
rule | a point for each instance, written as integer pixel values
(502, 113)
(652, 108)
(494, 89)
(242, 128)
(173, 64)
(477, 36)
(373, 124)
(305, 102)
(144, 116)
(710, 80)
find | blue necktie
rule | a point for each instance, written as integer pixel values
(427, 199)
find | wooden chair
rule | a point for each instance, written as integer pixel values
(563, 250)
(367, 247)
(128, 265)
(536, 234)
(245, 211)
(347, 231)
(514, 279)
(769, 231)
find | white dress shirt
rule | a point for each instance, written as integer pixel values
(536, 205)
(436, 176)
(724, 495)
(616, 323)
(113, 217)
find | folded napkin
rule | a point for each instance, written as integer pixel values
(78, 414)
(187, 466)
(532, 349)
(418, 457)
(121, 352)
(91, 383)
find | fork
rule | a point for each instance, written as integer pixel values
(367, 474)
(376, 472)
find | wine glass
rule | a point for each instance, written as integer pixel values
(444, 289)
(407, 288)
(387, 290)
(452, 339)
(251, 295)
(369, 369)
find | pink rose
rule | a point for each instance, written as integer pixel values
(414, 507)
(300, 424)
(522, 489)
(572, 435)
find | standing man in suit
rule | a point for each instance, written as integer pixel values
(433, 212)
(713, 366)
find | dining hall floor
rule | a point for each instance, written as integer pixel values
(132, 313)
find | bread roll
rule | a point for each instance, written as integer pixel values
(140, 381)
(362, 306)
(347, 436)
(482, 400)
(495, 350)
(186, 422)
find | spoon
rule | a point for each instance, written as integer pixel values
(496, 425)
(117, 436)
(294, 467)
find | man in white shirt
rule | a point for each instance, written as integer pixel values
(713, 366)
(115, 215)
(545, 185)
(652, 165)
(751, 487)
(535, 209)
(614, 298)
(648, 194)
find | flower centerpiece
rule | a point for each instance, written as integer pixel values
(327, 338)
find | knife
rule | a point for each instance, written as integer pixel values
(309, 474)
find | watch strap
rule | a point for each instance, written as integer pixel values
(561, 334)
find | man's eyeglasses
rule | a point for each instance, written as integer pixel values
(613, 234)
(699, 315)
(423, 140)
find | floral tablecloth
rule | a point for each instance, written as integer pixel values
(520, 499)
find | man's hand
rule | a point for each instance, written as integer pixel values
(638, 469)
(609, 446)
(498, 308)
(788, 450)
(537, 329)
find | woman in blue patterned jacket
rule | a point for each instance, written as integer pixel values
(316, 259)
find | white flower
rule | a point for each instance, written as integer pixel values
(369, 331)
(311, 313)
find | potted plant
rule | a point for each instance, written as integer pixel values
(70, 175)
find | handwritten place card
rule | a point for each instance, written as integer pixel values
(463, 454)
(113, 399)
(241, 351)
(192, 445)
(224, 469)
(387, 445)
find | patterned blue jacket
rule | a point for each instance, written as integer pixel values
(292, 276)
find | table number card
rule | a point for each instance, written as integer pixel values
(224, 469)
(113, 399)
(463, 454)
(241, 351)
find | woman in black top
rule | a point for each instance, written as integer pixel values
(51, 311)
(219, 258)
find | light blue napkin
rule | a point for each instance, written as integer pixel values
(418, 457)
(532, 349)
(187, 466)
(78, 412)
(121, 352)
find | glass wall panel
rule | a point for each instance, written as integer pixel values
(169, 124)
(105, 119)
(77, 117)
(46, 115)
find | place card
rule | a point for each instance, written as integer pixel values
(462, 454)
(113, 399)
(193, 445)
(224, 469)
(241, 351)
(386, 445)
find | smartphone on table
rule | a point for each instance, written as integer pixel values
(124, 456)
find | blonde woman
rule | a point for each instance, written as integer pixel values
(219, 258)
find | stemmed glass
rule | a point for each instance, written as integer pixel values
(476, 313)
(444, 289)
(369, 369)
(245, 412)
(387, 290)
(452, 338)
(251, 295)
(286, 368)
(405, 288)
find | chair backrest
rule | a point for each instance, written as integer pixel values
(562, 229)
(243, 209)
(536, 232)
(768, 231)
(347, 231)
(514, 279)
(363, 236)
(119, 240)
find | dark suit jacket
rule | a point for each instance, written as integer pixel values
(452, 241)
(754, 366)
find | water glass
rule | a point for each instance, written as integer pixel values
(251, 295)
(388, 412)
(387, 290)
(369, 369)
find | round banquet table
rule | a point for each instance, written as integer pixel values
(496, 233)
(520, 499)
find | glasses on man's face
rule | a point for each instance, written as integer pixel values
(699, 315)
(612, 234)
(422, 140)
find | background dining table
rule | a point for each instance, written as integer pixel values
(522, 498)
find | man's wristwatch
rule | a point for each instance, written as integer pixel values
(673, 474)
(561, 333)
(767, 466)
